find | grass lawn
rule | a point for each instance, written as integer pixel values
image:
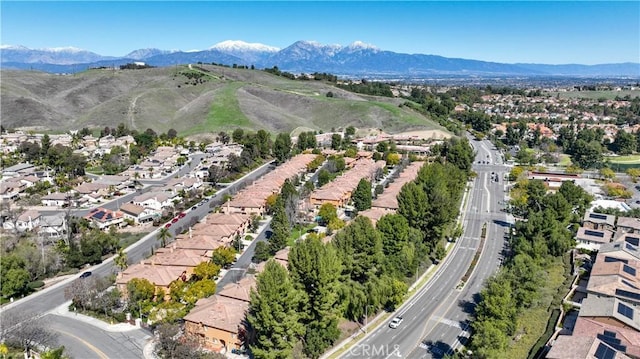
(127, 239)
(625, 159)
(94, 170)
(565, 160)
(225, 112)
(297, 232)
(533, 322)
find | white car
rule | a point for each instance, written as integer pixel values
(395, 322)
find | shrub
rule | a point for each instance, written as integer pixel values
(36, 284)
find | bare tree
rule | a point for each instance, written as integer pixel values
(28, 331)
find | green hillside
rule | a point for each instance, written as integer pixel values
(192, 100)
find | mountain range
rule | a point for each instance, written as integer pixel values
(355, 60)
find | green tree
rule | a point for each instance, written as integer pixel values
(14, 282)
(282, 147)
(607, 173)
(163, 236)
(206, 270)
(498, 304)
(361, 197)
(336, 141)
(412, 205)
(265, 143)
(140, 290)
(624, 143)
(237, 135)
(223, 256)
(121, 260)
(587, 154)
(488, 339)
(261, 252)
(45, 144)
(315, 269)
(634, 173)
(198, 290)
(273, 314)
(350, 131)
(323, 177)
(359, 246)
(280, 227)
(223, 137)
(327, 212)
(526, 277)
(57, 353)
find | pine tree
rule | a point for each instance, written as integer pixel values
(362, 195)
(273, 318)
(315, 269)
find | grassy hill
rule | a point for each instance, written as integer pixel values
(192, 100)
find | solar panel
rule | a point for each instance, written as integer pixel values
(594, 233)
(612, 341)
(625, 311)
(625, 282)
(631, 248)
(612, 259)
(629, 270)
(604, 352)
(598, 216)
(633, 240)
(626, 293)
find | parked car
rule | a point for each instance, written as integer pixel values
(85, 275)
(167, 225)
(175, 220)
(181, 215)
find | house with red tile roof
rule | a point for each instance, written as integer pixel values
(628, 224)
(253, 198)
(592, 239)
(161, 276)
(217, 323)
(178, 257)
(578, 347)
(103, 218)
(240, 290)
(338, 192)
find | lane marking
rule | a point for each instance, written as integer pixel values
(89, 345)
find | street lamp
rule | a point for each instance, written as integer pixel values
(366, 316)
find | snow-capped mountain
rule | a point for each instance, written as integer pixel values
(142, 54)
(355, 59)
(56, 55)
(250, 52)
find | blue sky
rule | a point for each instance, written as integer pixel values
(553, 32)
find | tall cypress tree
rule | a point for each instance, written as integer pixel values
(274, 322)
(362, 195)
(315, 268)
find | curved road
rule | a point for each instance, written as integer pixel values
(436, 317)
(82, 339)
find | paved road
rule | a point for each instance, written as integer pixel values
(438, 301)
(82, 340)
(45, 301)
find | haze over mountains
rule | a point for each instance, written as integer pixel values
(355, 60)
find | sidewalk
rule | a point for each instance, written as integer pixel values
(63, 310)
(419, 285)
